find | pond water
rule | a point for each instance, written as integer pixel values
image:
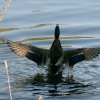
(33, 22)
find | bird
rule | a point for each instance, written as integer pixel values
(56, 56)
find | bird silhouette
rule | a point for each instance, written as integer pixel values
(56, 56)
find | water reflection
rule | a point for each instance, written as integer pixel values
(4, 8)
(47, 86)
(28, 27)
(1, 17)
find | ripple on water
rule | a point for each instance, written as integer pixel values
(25, 78)
(33, 23)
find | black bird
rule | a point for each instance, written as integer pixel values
(54, 57)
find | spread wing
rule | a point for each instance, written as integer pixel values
(78, 55)
(33, 53)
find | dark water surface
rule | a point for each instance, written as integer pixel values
(33, 22)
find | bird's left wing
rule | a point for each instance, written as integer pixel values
(38, 55)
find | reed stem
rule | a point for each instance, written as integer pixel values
(10, 93)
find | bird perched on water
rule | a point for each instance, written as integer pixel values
(54, 57)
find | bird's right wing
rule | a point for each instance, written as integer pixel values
(78, 55)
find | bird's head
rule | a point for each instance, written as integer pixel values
(57, 31)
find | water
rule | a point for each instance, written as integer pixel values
(33, 21)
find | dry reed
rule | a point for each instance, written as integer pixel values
(40, 97)
(10, 93)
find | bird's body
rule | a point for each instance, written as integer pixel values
(55, 57)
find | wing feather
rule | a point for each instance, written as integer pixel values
(91, 53)
(81, 54)
(33, 53)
